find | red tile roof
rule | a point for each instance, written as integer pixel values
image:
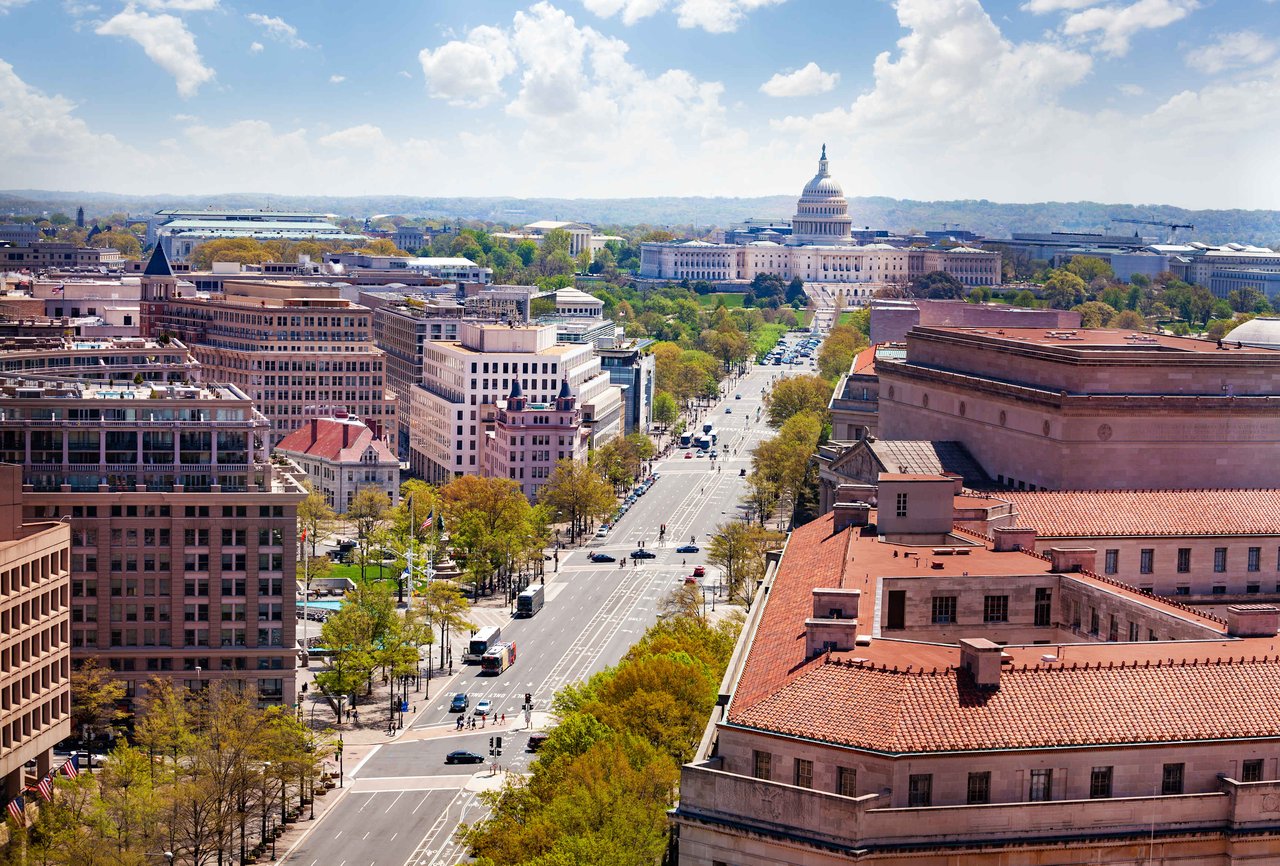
(340, 440)
(1094, 513)
(1037, 707)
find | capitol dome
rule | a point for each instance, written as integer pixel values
(822, 214)
(1262, 332)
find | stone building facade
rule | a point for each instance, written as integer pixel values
(1090, 409)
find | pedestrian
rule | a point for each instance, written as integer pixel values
(483, 716)
(504, 718)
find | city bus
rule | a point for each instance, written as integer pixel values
(530, 601)
(498, 659)
(481, 642)
(685, 439)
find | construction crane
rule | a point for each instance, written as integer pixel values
(1172, 227)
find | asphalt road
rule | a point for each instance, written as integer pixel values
(404, 802)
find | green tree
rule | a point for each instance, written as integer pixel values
(937, 284)
(367, 512)
(838, 350)
(796, 394)
(1064, 290)
(738, 550)
(576, 492)
(665, 410)
(95, 701)
(1129, 320)
(1094, 314)
(445, 609)
(1090, 268)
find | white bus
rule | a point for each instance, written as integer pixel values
(530, 601)
(481, 642)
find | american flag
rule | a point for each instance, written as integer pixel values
(18, 810)
(71, 768)
(46, 787)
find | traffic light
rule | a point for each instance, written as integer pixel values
(491, 745)
(497, 752)
(528, 699)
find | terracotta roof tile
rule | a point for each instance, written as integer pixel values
(1036, 707)
(324, 438)
(1093, 513)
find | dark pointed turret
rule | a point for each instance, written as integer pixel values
(158, 266)
(515, 400)
(565, 399)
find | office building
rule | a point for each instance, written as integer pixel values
(633, 369)
(904, 692)
(181, 231)
(35, 611)
(297, 349)
(453, 269)
(183, 529)
(54, 255)
(583, 238)
(455, 407)
(528, 438)
(1089, 409)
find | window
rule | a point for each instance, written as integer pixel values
(1093, 620)
(995, 608)
(1184, 560)
(1044, 606)
(1100, 783)
(1133, 632)
(920, 790)
(1146, 560)
(1113, 632)
(1112, 562)
(944, 609)
(902, 505)
(1219, 559)
(846, 782)
(1255, 559)
(1251, 770)
(1041, 786)
(979, 788)
(803, 773)
(761, 764)
(1171, 779)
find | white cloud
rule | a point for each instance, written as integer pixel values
(991, 118)
(279, 30)
(468, 72)
(181, 5)
(1131, 89)
(6, 5)
(256, 47)
(167, 41)
(1115, 25)
(185, 118)
(1041, 6)
(363, 136)
(714, 16)
(1231, 51)
(337, 79)
(805, 81)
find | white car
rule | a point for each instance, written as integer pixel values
(483, 708)
(602, 532)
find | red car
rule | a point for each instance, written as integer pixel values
(688, 455)
(699, 571)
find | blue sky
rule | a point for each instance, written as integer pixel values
(1143, 101)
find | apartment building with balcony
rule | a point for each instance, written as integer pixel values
(35, 642)
(297, 349)
(183, 529)
(906, 692)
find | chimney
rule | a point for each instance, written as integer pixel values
(958, 479)
(981, 658)
(846, 514)
(1014, 538)
(1253, 620)
(1068, 559)
(856, 493)
(834, 624)
(346, 435)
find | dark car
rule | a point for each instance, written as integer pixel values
(463, 757)
(643, 554)
(536, 739)
(601, 557)
(687, 548)
(459, 703)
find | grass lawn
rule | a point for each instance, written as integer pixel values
(732, 300)
(846, 318)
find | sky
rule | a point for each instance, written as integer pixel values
(1124, 101)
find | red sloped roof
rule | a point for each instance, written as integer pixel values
(323, 438)
(1092, 513)
(1037, 707)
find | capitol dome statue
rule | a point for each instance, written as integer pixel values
(822, 213)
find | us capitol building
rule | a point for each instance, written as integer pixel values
(819, 249)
